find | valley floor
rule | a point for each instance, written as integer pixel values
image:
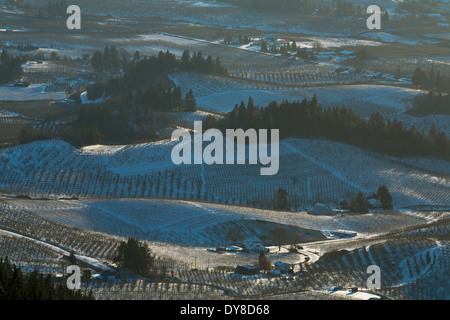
(413, 256)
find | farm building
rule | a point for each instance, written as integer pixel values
(233, 249)
(322, 209)
(255, 247)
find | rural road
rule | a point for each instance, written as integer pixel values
(94, 263)
(312, 256)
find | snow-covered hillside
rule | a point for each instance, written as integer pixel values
(202, 224)
(310, 170)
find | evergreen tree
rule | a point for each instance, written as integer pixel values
(72, 258)
(10, 67)
(442, 145)
(177, 99)
(419, 77)
(14, 285)
(433, 133)
(264, 46)
(97, 61)
(136, 256)
(93, 138)
(385, 198)
(284, 50)
(282, 200)
(190, 102)
(251, 109)
(294, 46)
(274, 48)
(185, 59)
(360, 204)
(279, 236)
(115, 59)
(107, 59)
(48, 289)
(310, 119)
(137, 55)
(33, 286)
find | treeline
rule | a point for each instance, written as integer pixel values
(96, 124)
(432, 79)
(290, 47)
(160, 99)
(29, 134)
(357, 204)
(431, 104)
(10, 67)
(309, 119)
(198, 63)
(136, 256)
(108, 60)
(100, 124)
(361, 204)
(128, 118)
(137, 69)
(15, 285)
(134, 118)
(243, 39)
(139, 72)
(131, 113)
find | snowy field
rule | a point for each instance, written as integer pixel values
(182, 232)
(213, 93)
(33, 92)
(334, 43)
(387, 37)
(204, 4)
(310, 170)
(202, 224)
(56, 198)
(221, 95)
